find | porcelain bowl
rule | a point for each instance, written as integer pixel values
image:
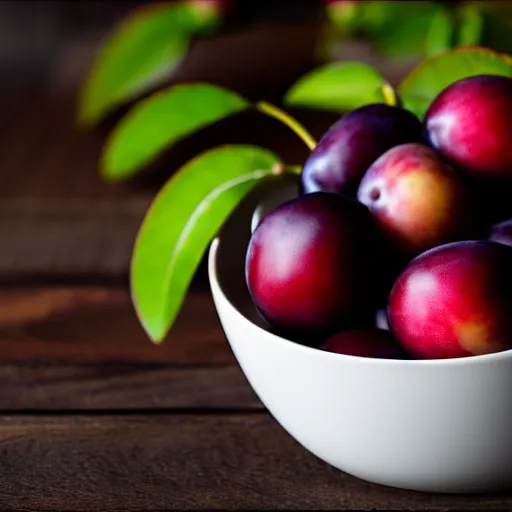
(438, 425)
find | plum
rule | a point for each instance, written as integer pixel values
(454, 301)
(470, 122)
(366, 342)
(353, 143)
(310, 265)
(416, 198)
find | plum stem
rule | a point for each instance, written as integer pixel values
(293, 124)
(280, 169)
(390, 97)
(293, 169)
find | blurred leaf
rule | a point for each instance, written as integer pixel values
(140, 53)
(497, 25)
(183, 219)
(345, 14)
(161, 120)
(399, 29)
(440, 33)
(500, 9)
(470, 25)
(339, 86)
(427, 80)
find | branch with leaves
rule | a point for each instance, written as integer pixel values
(417, 29)
(190, 209)
(196, 201)
(143, 52)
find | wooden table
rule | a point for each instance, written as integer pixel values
(94, 416)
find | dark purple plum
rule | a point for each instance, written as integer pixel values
(366, 342)
(353, 143)
(310, 266)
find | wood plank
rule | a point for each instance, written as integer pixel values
(82, 348)
(68, 237)
(140, 462)
(101, 387)
(91, 324)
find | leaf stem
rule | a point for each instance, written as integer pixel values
(390, 97)
(280, 169)
(293, 124)
(293, 169)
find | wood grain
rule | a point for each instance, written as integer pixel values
(106, 387)
(89, 324)
(68, 238)
(82, 348)
(158, 462)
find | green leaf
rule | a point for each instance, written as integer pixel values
(339, 86)
(399, 29)
(140, 53)
(345, 15)
(440, 33)
(183, 219)
(161, 120)
(471, 24)
(427, 80)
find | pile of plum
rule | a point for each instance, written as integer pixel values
(398, 245)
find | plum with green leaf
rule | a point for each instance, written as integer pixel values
(353, 143)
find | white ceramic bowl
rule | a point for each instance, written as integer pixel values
(440, 426)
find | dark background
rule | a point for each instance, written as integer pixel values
(35, 33)
(47, 48)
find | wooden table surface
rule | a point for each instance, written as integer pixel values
(94, 416)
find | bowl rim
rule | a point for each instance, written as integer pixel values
(217, 290)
